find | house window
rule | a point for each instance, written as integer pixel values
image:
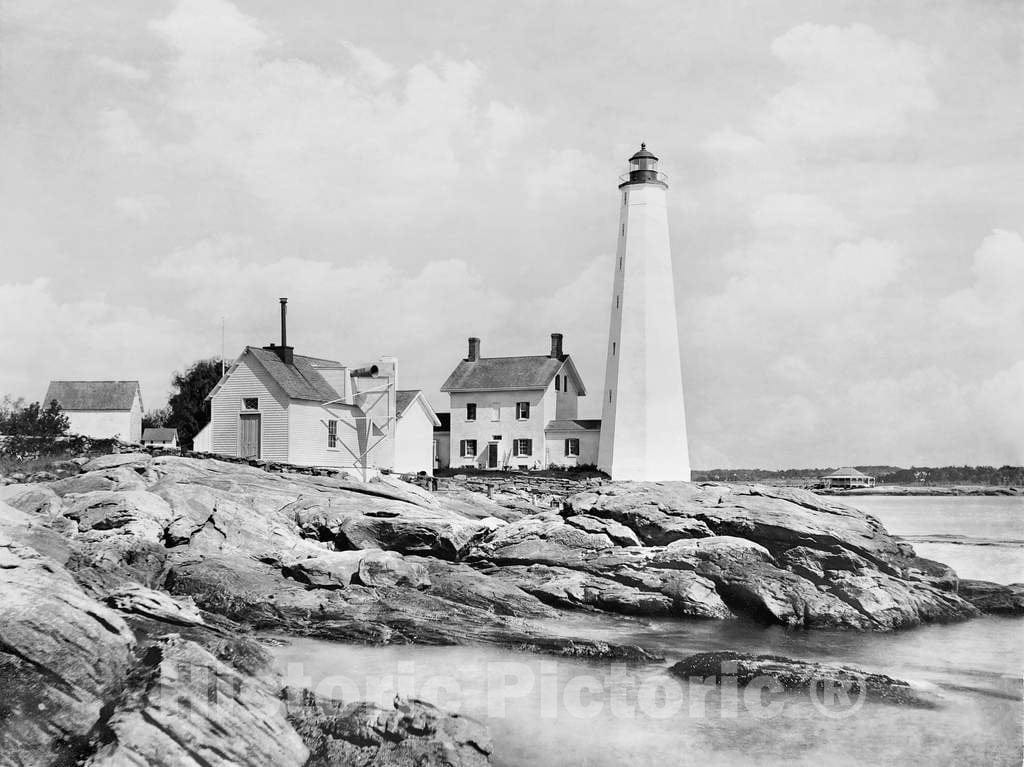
(251, 403)
(524, 447)
(332, 433)
(495, 412)
(470, 411)
(558, 383)
(522, 411)
(468, 448)
(572, 447)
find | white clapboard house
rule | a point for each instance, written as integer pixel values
(518, 412)
(276, 405)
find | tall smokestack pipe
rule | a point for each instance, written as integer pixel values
(284, 322)
(474, 350)
(556, 346)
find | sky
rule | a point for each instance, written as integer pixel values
(846, 201)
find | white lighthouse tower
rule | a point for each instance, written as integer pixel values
(643, 426)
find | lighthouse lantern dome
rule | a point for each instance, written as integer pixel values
(643, 169)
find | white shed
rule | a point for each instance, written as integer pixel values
(100, 409)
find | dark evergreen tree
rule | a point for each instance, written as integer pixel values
(190, 411)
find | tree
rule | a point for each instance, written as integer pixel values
(31, 428)
(155, 419)
(190, 411)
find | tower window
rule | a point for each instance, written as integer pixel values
(616, 302)
(620, 263)
(623, 230)
(613, 348)
(609, 395)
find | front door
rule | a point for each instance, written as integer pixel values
(249, 439)
(492, 455)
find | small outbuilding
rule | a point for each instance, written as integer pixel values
(414, 432)
(100, 409)
(848, 477)
(160, 436)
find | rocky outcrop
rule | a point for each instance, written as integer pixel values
(802, 676)
(62, 656)
(994, 598)
(185, 708)
(409, 733)
(139, 546)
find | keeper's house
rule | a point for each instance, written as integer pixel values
(100, 409)
(518, 412)
(275, 405)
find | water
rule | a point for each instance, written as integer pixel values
(981, 537)
(543, 711)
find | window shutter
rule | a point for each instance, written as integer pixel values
(529, 447)
(567, 447)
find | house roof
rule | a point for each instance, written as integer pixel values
(507, 373)
(586, 424)
(300, 380)
(93, 395)
(405, 398)
(445, 419)
(155, 434)
(848, 471)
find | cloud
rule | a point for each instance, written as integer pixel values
(848, 83)
(119, 69)
(90, 337)
(397, 142)
(138, 208)
(121, 133)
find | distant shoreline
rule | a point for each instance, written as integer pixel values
(925, 490)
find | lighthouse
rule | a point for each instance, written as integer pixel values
(643, 424)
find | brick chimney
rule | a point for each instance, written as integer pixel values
(556, 346)
(474, 350)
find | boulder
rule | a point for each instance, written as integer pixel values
(137, 461)
(410, 733)
(618, 533)
(462, 584)
(62, 655)
(797, 675)
(185, 708)
(37, 500)
(777, 518)
(133, 512)
(117, 478)
(158, 605)
(994, 597)
(543, 538)
(389, 568)
(331, 570)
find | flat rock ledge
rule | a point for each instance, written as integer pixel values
(801, 676)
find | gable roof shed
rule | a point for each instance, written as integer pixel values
(93, 395)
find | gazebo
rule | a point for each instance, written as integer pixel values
(848, 477)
